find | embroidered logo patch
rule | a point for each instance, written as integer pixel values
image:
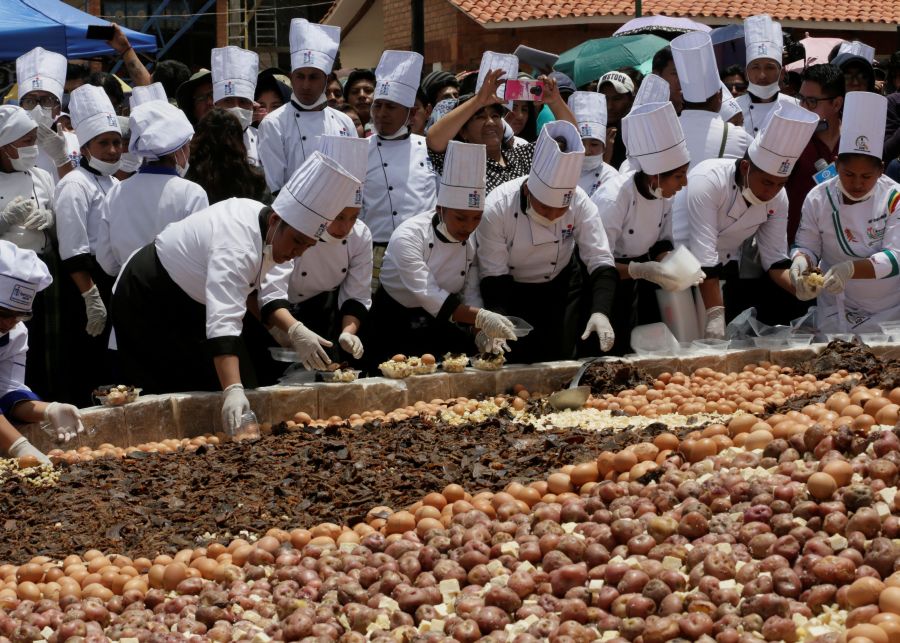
(37, 83)
(874, 234)
(474, 199)
(229, 88)
(785, 167)
(384, 88)
(112, 120)
(848, 234)
(585, 130)
(568, 231)
(22, 295)
(567, 199)
(762, 49)
(862, 144)
(307, 57)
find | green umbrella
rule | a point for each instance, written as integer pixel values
(593, 58)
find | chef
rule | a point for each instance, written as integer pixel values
(129, 162)
(764, 44)
(429, 281)
(636, 210)
(653, 89)
(234, 73)
(526, 251)
(291, 133)
(706, 134)
(730, 201)
(590, 112)
(22, 276)
(181, 300)
(41, 77)
(400, 182)
(850, 229)
(329, 288)
(731, 109)
(136, 210)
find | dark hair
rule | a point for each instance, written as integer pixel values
(171, 73)
(828, 77)
(355, 76)
(733, 70)
(435, 82)
(529, 131)
(110, 85)
(635, 75)
(219, 159)
(849, 156)
(834, 52)
(75, 71)
(662, 58)
(332, 78)
(793, 50)
(346, 108)
(421, 97)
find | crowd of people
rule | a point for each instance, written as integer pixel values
(168, 238)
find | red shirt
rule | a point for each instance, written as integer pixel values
(801, 180)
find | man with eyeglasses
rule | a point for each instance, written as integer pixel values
(195, 97)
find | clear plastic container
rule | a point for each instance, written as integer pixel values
(892, 329)
(771, 342)
(684, 265)
(47, 427)
(800, 339)
(844, 337)
(653, 339)
(287, 355)
(712, 344)
(875, 338)
(520, 327)
(249, 428)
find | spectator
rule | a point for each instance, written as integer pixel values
(350, 111)
(735, 80)
(664, 67)
(358, 91)
(334, 91)
(172, 74)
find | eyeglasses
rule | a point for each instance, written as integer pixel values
(14, 315)
(44, 101)
(738, 87)
(203, 98)
(813, 101)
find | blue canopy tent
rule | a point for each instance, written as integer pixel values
(56, 26)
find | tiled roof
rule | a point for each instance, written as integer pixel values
(864, 11)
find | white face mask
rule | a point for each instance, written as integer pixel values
(181, 169)
(27, 158)
(747, 193)
(268, 258)
(763, 91)
(130, 162)
(592, 163)
(442, 228)
(657, 192)
(245, 116)
(41, 115)
(538, 218)
(850, 197)
(321, 101)
(103, 167)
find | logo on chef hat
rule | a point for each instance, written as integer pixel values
(585, 130)
(762, 49)
(357, 198)
(862, 143)
(384, 88)
(785, 167)
(22, 295)
(37, 83)
(474, 199)
(307, 57)
(567, 199)
(320, 231)
(112, 120)
(229, 88)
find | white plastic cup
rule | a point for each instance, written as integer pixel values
(249, 428)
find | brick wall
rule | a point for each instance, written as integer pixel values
(398, 24)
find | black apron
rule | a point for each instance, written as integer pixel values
(635, 304)
(161, 332)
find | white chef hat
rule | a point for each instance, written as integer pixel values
(22, 276)
(654, 138)
(313, 45)
(141, 94)
(775, 150)
(862, 125)
(157, 129)
(695, 62)
(730, 106)
(554, 173)
(40, 69)
(857, 48)
(590, 113)
(491, 60)
(314, 195)
(14, 123)
(234, 72)
(762, 38)
(352, 154)
(398, 74)
(92, 113)
(653, 89)
(462, 181)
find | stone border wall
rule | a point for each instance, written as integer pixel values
(185, 415)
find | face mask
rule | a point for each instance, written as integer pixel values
(181, 169)
(442, 228)
(27, 158)
(103, 167)
(849, 196)
(245, 116)
(537, 218)
(130, 162)
(320, 101)
(41, 115)
(592, 163)
(763, 91)
(657, 192)
(327, 237)
(747, 193)
(268, 258)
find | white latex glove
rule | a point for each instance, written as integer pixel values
(234, 406)
(598, 323)
(39, 219)
(799, 268)
(54, 144)
(17, 210)
(494, 325)
(487, 345)
(23, 447)
(310, 347)
(352, 344)
(659, 274)
(837, 277)
(65, 420)
(96, 311)
(715, 322)
(280, 336)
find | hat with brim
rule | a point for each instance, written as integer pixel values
(273, 80)
(185, 92)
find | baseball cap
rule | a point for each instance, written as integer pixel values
(620, 82)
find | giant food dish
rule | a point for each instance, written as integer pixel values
(759, 505)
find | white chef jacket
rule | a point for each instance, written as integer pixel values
(422, 268)
(703, 133)
(714, 219)
(832, 231)
(36, 185)
(591, 180)
(344, 264)
(78, 203)
(215, 256)
(400, 183)
(757, 115)
(287, 136)
(13, 348)
(251, 142)
(633, 223)
(510, 243)
(136, 210)
(49, 165)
